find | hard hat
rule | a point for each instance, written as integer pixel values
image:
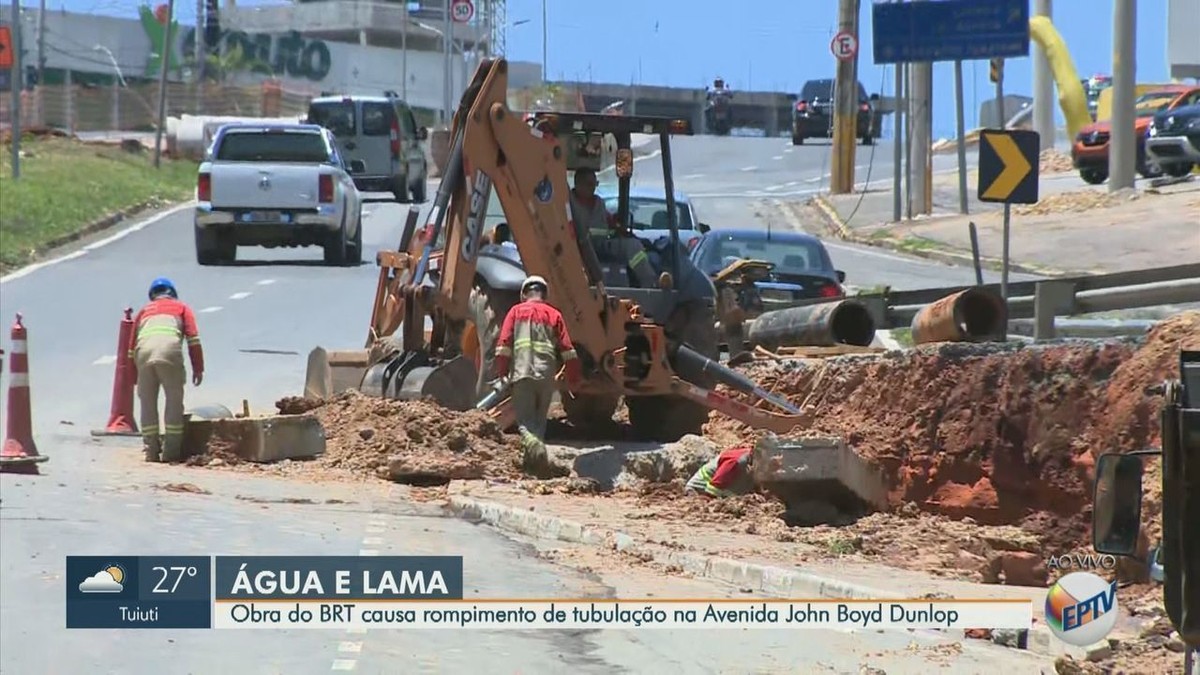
(162, 285)
(533, 280)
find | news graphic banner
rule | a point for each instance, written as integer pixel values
(276, 592)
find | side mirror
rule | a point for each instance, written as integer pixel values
(422, 133)
(841, 277)
(703, 228)
(357, 166)
(1117, 504)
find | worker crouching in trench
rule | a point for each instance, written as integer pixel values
(726, 475)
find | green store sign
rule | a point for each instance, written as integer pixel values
(288, 54)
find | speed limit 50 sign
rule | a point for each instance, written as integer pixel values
(462, 11)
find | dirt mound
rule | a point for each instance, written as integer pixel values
(297, 405)
(1055, 161)
(413, 442)
(1002, 434)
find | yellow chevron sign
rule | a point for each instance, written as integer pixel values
(1008, 166)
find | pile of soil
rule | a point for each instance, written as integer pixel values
(415, 442)
(998, 433)
(1055, 161)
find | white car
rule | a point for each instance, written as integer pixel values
(276, 185)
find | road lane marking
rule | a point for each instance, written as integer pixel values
(692, 176)
(239, 295)
(210, 310)
(367, 552)
(777, 157)
(348, 647)
(25, 271)
(772, 188)
(372, 541)
(344, 664)
(265, 282)
(105, 360)
(749, 168)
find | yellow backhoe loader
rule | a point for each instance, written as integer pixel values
(654, 347)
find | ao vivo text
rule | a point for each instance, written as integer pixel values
(1081, 561)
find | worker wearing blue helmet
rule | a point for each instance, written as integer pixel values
(156, 347)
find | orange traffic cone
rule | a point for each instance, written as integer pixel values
(120, 416)
(19, 454)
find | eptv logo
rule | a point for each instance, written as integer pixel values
(1081, 608)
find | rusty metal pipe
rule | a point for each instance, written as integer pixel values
(973, 315)
(824, 325)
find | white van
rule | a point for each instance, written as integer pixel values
(381, 132)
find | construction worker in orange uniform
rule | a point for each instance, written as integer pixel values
(533, 341)
(160, 329)
(726, 475)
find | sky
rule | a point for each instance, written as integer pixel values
(767, 46)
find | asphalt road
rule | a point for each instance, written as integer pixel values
(258, 319)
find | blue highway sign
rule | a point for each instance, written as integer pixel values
(949, 30)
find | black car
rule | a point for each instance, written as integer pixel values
(803, 268)
(812, 116)
(1173, 140)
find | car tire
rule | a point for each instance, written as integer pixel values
(400, 189)
(1178, 169)
(1093, 176)
(868, 140)
(419, 191)
(1147, 169)
(212, 248)
(355, 253)
(797, 140)
(337, 248)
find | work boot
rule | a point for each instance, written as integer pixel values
(535, 461)
(152, 449)
(173, 449)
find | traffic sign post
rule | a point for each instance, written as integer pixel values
(10, 61)
(844, 46)
(462, 11)
(949, 30)
(1008, 174)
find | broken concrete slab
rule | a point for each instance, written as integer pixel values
(256, 439)
(611, 467)
(819, 477)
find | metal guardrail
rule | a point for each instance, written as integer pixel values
(1043, 300)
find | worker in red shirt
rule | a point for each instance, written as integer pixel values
(533, 341)
(160, 329)
(726, 475)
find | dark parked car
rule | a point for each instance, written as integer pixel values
(812, 116)
(1173, 140)
(803, 268)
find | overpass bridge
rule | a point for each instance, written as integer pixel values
(770, 111)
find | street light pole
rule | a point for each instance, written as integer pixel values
(162, 84)
(545, 33)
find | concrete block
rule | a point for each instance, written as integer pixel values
(257, 439)
(808, 473)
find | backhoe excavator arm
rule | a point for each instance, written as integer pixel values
(528, 171)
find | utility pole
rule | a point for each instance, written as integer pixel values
(1043, 85)
(447, 71)
(197, 48)
(997, 66)
(845, 115)
(908, 138)
(897, 147)
(545, 41)
(162, 84)
(921, 99)
(404, 56)
(15, 82)
(960, 132)
(1123, 148)
(41, 43)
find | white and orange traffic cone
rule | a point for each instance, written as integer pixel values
(120, 416)
(19, 454)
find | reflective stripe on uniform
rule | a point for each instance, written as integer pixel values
(702, 480)
(195, 340)
(170, 331)
(149, 433)
(568, 355)
(638, 258)
(538, 346)
(173, 429)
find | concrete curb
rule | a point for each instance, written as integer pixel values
(948, 256)
(776, 581)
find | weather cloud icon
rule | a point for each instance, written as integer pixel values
(107, 580)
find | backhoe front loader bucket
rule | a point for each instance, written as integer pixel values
(413, 376)
(332, 372)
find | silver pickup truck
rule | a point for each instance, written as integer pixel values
(276, 185)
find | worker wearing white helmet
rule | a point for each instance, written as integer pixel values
(533, 343)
